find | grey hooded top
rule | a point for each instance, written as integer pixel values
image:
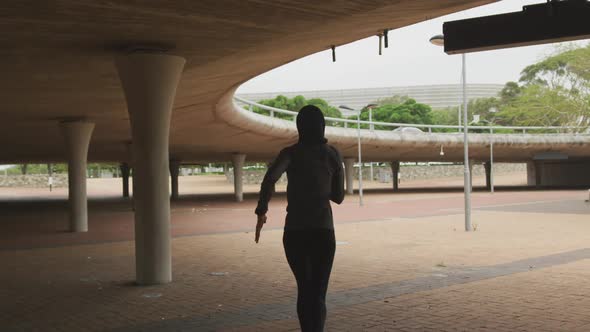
(314, 173)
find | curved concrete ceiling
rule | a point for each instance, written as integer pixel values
(57, 62)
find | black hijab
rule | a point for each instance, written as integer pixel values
(311, 125)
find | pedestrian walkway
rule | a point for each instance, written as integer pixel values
(403, 263)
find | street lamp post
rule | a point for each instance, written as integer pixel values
(372, 127)
(491, 161)
(358, 130)
(491, 123)
(439, 40)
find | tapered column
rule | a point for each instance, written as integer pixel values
(238, 162)
(125, 177)
(349, 172)
(77, 138)
(149, 82)
(174, 170)
(395, 174)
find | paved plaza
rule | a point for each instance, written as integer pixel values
(403, 263)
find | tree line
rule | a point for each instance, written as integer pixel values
(94, 169)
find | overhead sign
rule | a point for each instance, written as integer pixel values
(549, 22)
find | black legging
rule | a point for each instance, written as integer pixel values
(310, 255)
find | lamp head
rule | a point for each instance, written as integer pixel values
(438, 40)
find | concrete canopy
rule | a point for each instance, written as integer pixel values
(57, 63)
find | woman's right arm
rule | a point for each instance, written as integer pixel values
(273, 174)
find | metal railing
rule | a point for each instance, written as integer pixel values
(431, 128)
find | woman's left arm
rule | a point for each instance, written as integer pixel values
(337, 195)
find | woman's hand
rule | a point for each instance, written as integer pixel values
(261, 221)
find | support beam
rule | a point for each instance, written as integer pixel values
(125, 177)
(349, 172)
(149, 82)
(77, 138)
(395, 174)
(238, 162)
(174, 170)
(533, 174)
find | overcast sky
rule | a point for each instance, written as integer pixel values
(409, 60)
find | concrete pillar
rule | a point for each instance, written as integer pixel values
(174, 170)
(49, 176)
(77, 138)
(125, 177)
(349, 172)
(149, 82)
(488, 168)
(395, 174)
(533, 173)
(238, 161)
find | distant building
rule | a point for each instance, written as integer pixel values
(437, 96)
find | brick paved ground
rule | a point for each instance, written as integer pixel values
(402, 263)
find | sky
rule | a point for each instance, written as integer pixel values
(409, 60)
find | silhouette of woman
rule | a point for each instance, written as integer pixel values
(315, 176)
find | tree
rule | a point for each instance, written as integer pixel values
(484, 107)
(555, 91)
(510, 92)
(568, 69)
(540, 105)
(446, 116)
(552, 92)
(295, 104)
(329, 111)
(393, 100)
(408, 112)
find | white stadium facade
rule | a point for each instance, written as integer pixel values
(437, 96)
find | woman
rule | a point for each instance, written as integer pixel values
(315, 176)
